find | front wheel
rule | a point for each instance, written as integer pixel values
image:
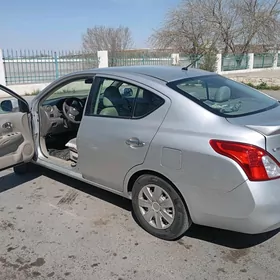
(158, 208)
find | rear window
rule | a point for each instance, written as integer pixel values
(223, 96)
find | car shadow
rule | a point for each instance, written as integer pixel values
(230, 239)
(233, 240)
(11, 180)
(87, 188)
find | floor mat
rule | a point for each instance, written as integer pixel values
(63, 154)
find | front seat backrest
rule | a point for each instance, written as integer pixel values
(111, 101)
(223, 94)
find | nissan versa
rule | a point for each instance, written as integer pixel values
(184, 144)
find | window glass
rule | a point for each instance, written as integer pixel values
(110, 101)
(196, 88)
(127, 90)
(77, 88)
(146, 102)
(224, 96)
(123, 100)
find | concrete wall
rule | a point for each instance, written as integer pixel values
(269, 76)
(2, 70)
(102, 59)
(24, 89)
(31, 89)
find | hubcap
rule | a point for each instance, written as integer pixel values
(156, 206)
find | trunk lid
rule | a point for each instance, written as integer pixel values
(268, 124)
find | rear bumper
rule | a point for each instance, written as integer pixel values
(266, 213)
(253, 207)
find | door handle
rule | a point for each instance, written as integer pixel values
(7, 125)
(134, 142)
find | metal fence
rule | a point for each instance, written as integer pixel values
(186, 59)
(232, 62)
(23, 67)
(26, 67)
(263, 60)
(154, 59)
(135, 59)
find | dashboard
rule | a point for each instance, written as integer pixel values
(52, 120)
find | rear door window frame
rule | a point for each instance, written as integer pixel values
(94, 94)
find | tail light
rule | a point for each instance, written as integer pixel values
(257, 163)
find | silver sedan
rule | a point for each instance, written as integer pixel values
(185, 145)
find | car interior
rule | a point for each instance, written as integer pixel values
(224, 96)
(61, 114)
(60, 117)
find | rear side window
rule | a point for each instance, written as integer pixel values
(117, 99)
(223, 96)
(145, 103)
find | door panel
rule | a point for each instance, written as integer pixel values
(107, 151)
(9, 142)
(109, 145)
(16, 142)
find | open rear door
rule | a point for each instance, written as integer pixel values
(16, 139)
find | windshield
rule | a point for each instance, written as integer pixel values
(77, 88)
(223, 96)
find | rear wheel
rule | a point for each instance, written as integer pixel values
(158, 208)
(22, 169)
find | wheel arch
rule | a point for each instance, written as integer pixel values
(139, 173)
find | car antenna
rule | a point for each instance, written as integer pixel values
(193, 62)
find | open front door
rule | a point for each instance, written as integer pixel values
(16, 139)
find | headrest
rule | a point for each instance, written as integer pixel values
(111, 97)
(223, 94)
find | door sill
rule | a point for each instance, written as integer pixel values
(68, 170)
(65, 168)
(59, 166)
(60, 163)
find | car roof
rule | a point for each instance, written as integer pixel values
(163, 73)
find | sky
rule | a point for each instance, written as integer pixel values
(59, 24)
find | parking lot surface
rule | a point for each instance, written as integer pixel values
(53, 227)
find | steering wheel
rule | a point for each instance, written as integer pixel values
(73, 109)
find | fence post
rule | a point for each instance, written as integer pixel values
(102, 59)
(2, 70)
(251, 61)
(275, 60)
(56, 66)
(175, 58)
(219, 62)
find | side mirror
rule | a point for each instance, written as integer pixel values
(6, 106)
(127, 92)
(9, 105)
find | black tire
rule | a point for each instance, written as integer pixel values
(22, 169)
(182, 220)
